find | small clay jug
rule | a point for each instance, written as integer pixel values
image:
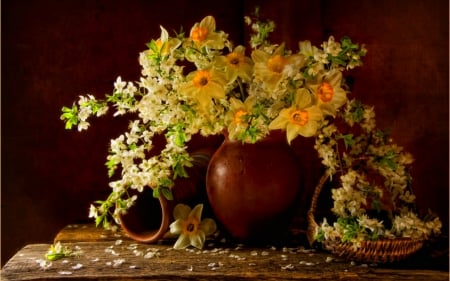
(149, 218)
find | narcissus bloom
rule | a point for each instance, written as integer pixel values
(272, 68)
(302, 118)
(330, 96)
(164, 44)
(204, 85)
(190, 227)
(238, 116)
(203, 34)
(236, 64)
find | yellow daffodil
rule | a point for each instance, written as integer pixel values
(300, 119)
(271, 68)
(204, 85)
(329, 94)
(165, 44)
(162, 46)
(203, 34)
(190, 227)
(236, 64)
(238, 114)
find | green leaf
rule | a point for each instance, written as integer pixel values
(348, 140)
(166, 182)
(320, 236)
(112, 166)
(179, 171)
(132, 146)
(70, 116)
(357, 112)
(376, 205)
(54, 256)
(98, 220)
(167, 192)
(389, 159)
(105, 223)
(177, 134)
(156, 193)
(351, 228)
(152, 46)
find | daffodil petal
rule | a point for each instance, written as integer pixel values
(239, 49)
(209, 23)
(309, 129)
(339, 98)
(314, 113)
(197, 212)
(328, 109)
(208, 226)
(216, 90)
(181, 212)
(176, 227)
(203, 98)
(292, 131)
(303, 98)
(259, 56)
(182, 242)
(236, 104)
(335, 78)
(198, 240)
(281, 121)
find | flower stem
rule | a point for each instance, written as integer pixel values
(241, 88)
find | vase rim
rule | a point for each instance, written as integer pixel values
(273, 135)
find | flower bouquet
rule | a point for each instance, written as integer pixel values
(200, 83)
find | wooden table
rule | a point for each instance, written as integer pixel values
(112, 256)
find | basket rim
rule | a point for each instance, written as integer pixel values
(379, 251)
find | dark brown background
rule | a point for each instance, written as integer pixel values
(53, 51)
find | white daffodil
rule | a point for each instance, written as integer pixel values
(190, 227)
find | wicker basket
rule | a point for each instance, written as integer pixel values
(380, 251)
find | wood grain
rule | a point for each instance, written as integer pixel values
(132, 261)
(116, 257)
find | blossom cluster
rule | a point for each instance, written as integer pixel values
(373, 198)
(200, 83)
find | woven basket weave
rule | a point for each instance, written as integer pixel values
(379, 251)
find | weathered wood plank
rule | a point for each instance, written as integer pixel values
(113, 256)
(86, 233)
(127, 260)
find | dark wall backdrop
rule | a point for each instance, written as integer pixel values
(53, 51)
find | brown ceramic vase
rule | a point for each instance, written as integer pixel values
(253, 188)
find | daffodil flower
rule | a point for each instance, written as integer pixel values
(300, 119)
(330, 96)
(204, 85)
(190, 227)
(272, 68)
(165, 43)
(238, 115)
(203, 34)
(236, 64)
